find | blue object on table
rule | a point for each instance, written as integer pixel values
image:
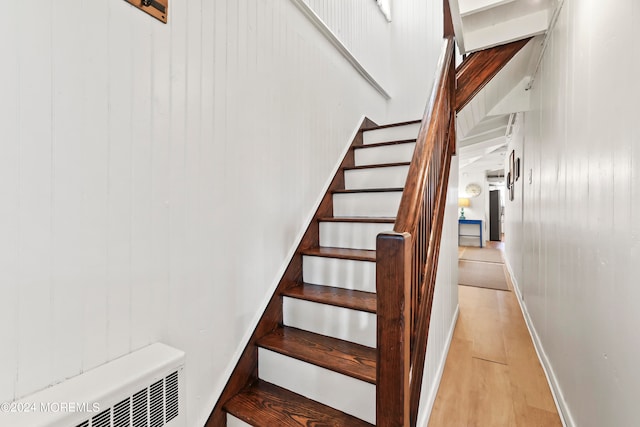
(477, 222)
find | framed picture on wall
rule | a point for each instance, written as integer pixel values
(517, 169)
(511, 174)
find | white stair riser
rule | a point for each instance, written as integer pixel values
(339, 273)
(396, 153)
(371, 205)
(387, 177)
(347, 394)
(394, 133)
(234, 422)
(351, 235)
(338, 322)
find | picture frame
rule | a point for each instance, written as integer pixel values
(511, 175)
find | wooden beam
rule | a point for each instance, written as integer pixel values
(480, 67)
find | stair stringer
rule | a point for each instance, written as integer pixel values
(246, 369)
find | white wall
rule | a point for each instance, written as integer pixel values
(155, 178)
(581, 235)
(400, 55)
(369, 43)
(416, 42)
(513, 209)
(445, 302)
(479, 208)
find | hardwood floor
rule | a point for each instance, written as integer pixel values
(492, 376)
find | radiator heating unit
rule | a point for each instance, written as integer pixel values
(142, 389)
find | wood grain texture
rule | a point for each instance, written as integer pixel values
(160, 10)
(447, 30)
(430, 131)
(246, 370)
(358, 219)
(492, 374)
(420, 217)
(266, 405)
(342, 253)
(383, 165)
(421, 333)
(381, 144)
(490, 394)
(480, 67)
(340, 356)
(356, 300)
(393, 286)
(368, 190)
(391, 125)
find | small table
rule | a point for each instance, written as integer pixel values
(477, 222)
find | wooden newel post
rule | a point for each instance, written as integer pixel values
(393, 287)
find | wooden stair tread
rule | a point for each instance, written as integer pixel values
(267, 405)
(337, 355)
(386, 220)
(391, 125)
(369, 190)
(343, 253)
(356, 300)
(381, 165)
(382, 144)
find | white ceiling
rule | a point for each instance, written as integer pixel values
(480, 24)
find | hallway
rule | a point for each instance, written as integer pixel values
(492, 376)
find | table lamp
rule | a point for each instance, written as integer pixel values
(463, 202)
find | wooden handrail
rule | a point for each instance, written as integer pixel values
(406, 260)
(406, 221)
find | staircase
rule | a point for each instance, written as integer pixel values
(343, 340)
(318, 367)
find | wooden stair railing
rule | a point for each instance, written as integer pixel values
(406, 266)
(406, 259)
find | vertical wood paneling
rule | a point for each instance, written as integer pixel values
(9, 194)
(120, 86)
(194, 218)
(35, 338)
(155, 177)
(363, 29)
(94, 138)
(207, 203)
(69, 229)
(445, 300)
(415, 62)
(141, 146)
(176, 172)
(158, 300)
(580, 212)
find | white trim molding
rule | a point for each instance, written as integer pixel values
(385, 8)
(344, 51)
(423, 416)
(545, 42)
(552, 380)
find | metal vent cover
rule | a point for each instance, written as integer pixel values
(153, 406)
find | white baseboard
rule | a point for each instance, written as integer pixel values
(552, 380)
(423, 418)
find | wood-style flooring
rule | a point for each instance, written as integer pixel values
(492, 375)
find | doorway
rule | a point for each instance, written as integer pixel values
(496, 212)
